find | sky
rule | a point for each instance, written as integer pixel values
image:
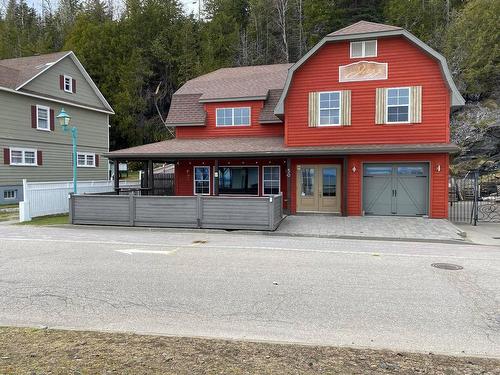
(189, 5)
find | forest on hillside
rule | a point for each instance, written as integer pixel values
(132, 48)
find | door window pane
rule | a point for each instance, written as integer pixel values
(329, 182)
(378, 171)
(307, 182)
(411, 171)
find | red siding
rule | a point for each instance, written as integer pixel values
(184, 183)
(408, 65)
(438, 180)
(211, 130)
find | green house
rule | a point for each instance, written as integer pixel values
(33, 146)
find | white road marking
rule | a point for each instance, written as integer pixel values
(206, 246)
(138, 251)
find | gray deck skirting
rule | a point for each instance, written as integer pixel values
(209, 212)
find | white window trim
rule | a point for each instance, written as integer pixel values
(386, 115)
(85, 154)
(242, 166)
(263, 180)
(24, 150)
(363, 49)
(194, 179)
(48, 117)
(10, 198)
(70, 84)
(232, 117)
(319, 107)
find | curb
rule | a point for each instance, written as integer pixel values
(268, 233)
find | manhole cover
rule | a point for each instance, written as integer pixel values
(447, 266)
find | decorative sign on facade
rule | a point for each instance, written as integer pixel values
(362, 71)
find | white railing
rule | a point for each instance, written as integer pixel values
(51, 198)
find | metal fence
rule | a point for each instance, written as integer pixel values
(474, 197)
(51, 198)
(255, 213)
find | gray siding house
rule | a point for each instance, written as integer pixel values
(32, 145)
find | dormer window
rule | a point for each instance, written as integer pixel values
(68, 84)
(233, 116)
(365, 48)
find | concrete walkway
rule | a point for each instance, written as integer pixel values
(367, 227)
(483, 233)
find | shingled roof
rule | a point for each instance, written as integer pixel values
(15, 72)
(363, 27)
(221, 147)
(246, 82)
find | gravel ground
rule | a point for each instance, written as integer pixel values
(47, 351)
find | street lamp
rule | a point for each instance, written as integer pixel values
(64, 120)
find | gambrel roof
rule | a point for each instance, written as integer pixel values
(370, 30)
(18, 72)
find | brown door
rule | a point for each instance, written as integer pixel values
(318, 188)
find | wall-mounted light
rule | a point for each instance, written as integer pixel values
(354, 169)
(438, 168)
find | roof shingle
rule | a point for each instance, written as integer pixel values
(262, 147)
(362, 27)
(15, 72)
(240, 82)
(186, 109)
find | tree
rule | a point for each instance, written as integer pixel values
(472, 48)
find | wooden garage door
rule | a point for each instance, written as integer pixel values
(396, 189)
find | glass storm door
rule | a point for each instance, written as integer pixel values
(329, 197)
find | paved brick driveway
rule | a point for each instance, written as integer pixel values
(398, 228)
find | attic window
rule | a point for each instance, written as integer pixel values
(68, 84)
(366, 48)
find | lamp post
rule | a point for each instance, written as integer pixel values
(64, 120)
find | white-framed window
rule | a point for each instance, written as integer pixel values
(271, 179)
(239, 116)
(23, 156)
(9, 194)
(68, 84)
(398, 105)
(85, 159)
(365, 48)
(42, 118)
(329, 108)
(202, 180)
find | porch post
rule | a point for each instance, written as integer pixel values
(116, 167)
(344, 186)
(151, 180)
(288, 186)
(216, 177)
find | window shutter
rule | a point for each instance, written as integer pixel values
(380, 100)
(6, 155)
(33, 116)
(416, 104)
(39, 159)
(61, 82)
(345, 110)
(52, 120)
(313, 109)
(73, 85)
(96, 160)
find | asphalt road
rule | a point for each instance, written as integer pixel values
(320, 291)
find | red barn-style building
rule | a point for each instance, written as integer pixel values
(357, 126)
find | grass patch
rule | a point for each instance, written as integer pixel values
(10, 205)
(44, 351)
(48, 220)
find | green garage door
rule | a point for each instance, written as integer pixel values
(396, 189)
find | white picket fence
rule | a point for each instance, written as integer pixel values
(51, 198)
